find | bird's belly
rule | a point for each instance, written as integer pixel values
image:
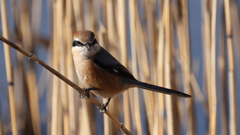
(91, 76)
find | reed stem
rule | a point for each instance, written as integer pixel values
(8, 66)
(213, 105)
(231, 71)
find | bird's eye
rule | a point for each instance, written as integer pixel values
(79, 43)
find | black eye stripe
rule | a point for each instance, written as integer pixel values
(77, 43)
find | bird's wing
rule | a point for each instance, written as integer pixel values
(107, 62)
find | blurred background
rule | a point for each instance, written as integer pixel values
(190, 46)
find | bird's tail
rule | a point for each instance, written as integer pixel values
(157, 88)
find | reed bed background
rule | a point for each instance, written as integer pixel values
(190, 46)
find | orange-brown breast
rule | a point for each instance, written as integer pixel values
(92, 76)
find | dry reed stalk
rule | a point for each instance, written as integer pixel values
(70, 69)
(36, 11)
(236, 26)
(136, 105)
(160, 69)
(78, 14)
(113, 106)
(175, 101)
(8, 66)
(86, 118)
(206, 46)
(60, 129)
(33, 97)
(104, 8)
(22, 93)
(55, 87)
(44, 85)
(80, 131)
(76, 87)
(110, 23)
(183, 37)
(111, 31)
(90, 19)
(122, 31)
(16, 16)
(222, 68)
(231, 71)
(167, 68)
(213, 115)
(62, 65)
(151, 45)
(27, 43)
(160, 66)
(126, 110)
(25, 26)
(124, 55)
(107, 124)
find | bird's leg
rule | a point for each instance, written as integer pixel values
(105, 105)
(87, 92)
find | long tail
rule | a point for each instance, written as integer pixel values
(157, 88)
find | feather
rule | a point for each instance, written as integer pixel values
(106, 61)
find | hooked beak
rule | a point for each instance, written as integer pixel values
(88, 47)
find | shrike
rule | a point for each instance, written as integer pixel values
(101, 73)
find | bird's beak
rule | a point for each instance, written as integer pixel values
(88, 47)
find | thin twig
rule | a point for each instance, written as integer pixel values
(63, 78)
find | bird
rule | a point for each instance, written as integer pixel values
(102, 74)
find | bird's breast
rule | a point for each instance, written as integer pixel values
(91, 76)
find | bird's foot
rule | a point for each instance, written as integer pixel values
(105, 106)
(87, 93)
(84, 97)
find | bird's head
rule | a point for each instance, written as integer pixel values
(84, 38)
(85, 43)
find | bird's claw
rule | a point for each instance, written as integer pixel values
(87, 93)
(82, 96)
(104, 109)
(105, 106)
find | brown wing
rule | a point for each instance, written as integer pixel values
(107, 62)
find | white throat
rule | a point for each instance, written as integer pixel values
(82, 53)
